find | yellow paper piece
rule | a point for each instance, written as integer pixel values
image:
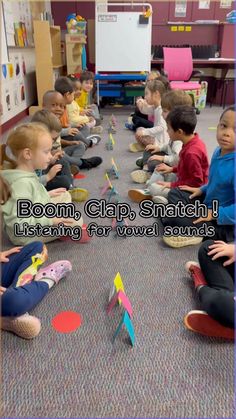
(181, 28)
(118, 283)
(112, 139)
(212, 128)
(173, 28)
(108, 179)
(114, 164)
(188, 28)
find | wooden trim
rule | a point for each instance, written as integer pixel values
(13, 121)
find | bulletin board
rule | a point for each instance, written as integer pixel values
(123, 44)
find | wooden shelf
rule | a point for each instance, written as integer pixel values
(47, 41)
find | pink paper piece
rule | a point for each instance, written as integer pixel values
(121, 296)
(105, 188)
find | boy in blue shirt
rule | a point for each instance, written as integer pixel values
(220, 187)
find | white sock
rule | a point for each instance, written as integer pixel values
(48, 281)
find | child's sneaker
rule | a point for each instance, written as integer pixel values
(139, 162)
(160, 200)
(96, 130)
(56, 271)
(200, 322)
(139, 195)
(194, 270)
(181, 241)
(140, 176)
(129, 126)
(74, 169)
(90, 162)
(95, 139)
(79, 194)
(136, 147)
(25, 326)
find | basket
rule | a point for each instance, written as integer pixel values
(79, 27)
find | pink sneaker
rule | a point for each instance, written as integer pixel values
(55, 271)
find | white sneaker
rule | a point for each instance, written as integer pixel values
(181, 241)
(160, 200)
(140, 176)
(95, 139)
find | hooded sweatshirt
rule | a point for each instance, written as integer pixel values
(221, 186)
(24, 185)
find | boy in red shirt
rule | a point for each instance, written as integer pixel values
(193, 166)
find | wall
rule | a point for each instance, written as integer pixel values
(17, 78)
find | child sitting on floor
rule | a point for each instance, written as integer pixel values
(167, 153)
(22, 287)
(192, 168)
(220, 187)
(31, 146)
(84, 100)
(139, 119)
(214, 283)
(65, 86)
(73, 146)
(151, 106)
(58, 173)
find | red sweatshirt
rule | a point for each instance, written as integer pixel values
(193, 166)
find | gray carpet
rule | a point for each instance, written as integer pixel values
(170, 372)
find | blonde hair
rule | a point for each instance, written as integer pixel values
(153, 74)
(25, 136)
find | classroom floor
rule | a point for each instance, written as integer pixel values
(170, 372)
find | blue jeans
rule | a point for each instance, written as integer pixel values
(16, 301)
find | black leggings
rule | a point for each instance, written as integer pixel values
(222, 232)
(63, 179)
(217, 299)
(140, 120)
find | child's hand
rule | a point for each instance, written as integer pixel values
(53, 171)
(73, 131)
(88, 111)
(164, 184)
(56, 192)
(158, 158)
(81, 125)
(82, 112)
(204, 219)
(4, 255)
(140, 102)
(195, 191)
(91, 119)
(65, 221)
(140, 132)
(153, 148)
(164, 168)
(221, 249)
(2, 290)
(56, 156)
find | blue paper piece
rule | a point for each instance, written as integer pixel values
(129, 327)
(112, 192)
(4, 70)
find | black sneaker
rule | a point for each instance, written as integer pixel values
(139, 162)
(91, 162)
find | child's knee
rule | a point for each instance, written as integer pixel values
(203, 250)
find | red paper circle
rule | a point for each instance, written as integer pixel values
(66, 321)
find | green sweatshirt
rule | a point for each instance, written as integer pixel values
(24, 185)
